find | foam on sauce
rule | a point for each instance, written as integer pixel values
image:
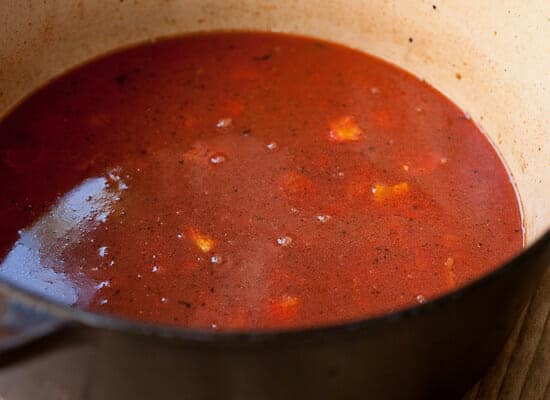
(248, 181)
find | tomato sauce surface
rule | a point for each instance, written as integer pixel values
(248, 181)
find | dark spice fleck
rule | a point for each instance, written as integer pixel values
(410, 40)
(121, 79)
(185, 303)
(265, 57)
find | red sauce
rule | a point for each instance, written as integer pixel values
(246, 180)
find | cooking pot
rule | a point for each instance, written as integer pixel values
(492, 58)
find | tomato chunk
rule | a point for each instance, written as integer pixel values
(345, 129)
(383, 192)
(295, 184)
(204, 242)
(286, 308)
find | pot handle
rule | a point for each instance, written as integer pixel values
(21, 325)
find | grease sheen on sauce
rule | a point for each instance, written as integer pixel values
(245, 181)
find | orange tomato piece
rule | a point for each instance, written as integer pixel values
(383, 192)
(240, 319)
(196, 154)
(203, 242)
(294, 183)
(233, 107)
(450, 278)
(383, 119)
(285, 308)
(345, 129)
(190, 122)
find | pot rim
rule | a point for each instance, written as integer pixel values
(72, 315)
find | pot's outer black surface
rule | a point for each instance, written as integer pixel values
(434, 351)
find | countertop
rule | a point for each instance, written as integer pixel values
(523, 369)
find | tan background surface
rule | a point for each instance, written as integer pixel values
(523, 369)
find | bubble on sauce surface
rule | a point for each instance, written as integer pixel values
(323, 218)
(284, 241)
(103, 284)
(420, 299)
(102, 251)
(216, 259)
(217, 158)
(224, 122)
(155, 268)
(102, 217)
(272, 146)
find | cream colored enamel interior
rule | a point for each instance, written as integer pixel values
(500, 49)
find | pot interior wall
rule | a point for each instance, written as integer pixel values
(489, 58)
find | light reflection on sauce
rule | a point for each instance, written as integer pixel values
(36, 259)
